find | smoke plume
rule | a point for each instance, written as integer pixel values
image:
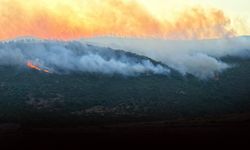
(66, 57)
(201, 58)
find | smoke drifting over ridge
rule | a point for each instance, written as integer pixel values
(66, 57)
(201, 58)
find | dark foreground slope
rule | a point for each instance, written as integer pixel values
(229, 131)
(89, 108)
(30, 96)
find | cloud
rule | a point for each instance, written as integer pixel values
(66, 19)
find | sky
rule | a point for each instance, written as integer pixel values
(236, 9)
(240, 7)
(175, 19)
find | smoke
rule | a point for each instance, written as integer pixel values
(65, 19)
(201, 58)
(66, 57)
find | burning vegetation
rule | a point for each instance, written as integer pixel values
(33, 66)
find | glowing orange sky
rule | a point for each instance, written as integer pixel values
(66, 19)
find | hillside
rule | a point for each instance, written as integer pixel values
(30, 96)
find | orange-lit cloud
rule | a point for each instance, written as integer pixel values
(65, 19)
(199, 23)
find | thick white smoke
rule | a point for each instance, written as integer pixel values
(64, 57)
(200, 58)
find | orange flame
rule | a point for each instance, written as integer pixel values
(32, 66)
(35, 67)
